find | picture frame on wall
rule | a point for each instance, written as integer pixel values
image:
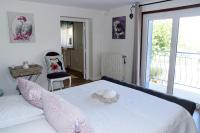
(21, 27)
(119, 27)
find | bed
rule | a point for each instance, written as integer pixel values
(136, 111)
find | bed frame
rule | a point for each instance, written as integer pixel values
(188, 105)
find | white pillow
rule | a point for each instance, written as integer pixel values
(30, 91)
(63, 116)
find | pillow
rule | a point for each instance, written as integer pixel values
(54, 64)
(63, 116)
(31, 92)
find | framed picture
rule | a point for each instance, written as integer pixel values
(119, 27)
(21, 27)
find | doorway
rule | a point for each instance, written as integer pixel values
(75, 47)
(172, 59)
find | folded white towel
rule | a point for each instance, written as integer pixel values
(106, 96)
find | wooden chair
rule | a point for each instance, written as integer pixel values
(56, 76)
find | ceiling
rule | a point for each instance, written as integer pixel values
(91, 4)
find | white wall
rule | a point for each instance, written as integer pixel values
(170, 4)
(47, 28)
(122, 46)
(47, 32)
(126, 46)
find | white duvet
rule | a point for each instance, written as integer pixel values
(15, 110)
(135, 112)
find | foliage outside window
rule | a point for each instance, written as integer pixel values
(161, 38)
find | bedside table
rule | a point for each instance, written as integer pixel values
(19, 71)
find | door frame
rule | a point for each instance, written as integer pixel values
(86, 42)
(175, 15)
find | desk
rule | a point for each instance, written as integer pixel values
(19, 71)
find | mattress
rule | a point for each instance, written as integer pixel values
(15, 110)
(35, 126)
(135, 112)
(188, 105)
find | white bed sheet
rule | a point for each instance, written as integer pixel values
(135, 112)
(35, 126)
(15, 110)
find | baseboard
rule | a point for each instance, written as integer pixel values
(74, 70)
(96, 78)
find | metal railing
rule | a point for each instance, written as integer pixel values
(187, 69)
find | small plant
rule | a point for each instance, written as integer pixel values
(155, 72)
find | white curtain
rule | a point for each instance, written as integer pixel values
(136, 70)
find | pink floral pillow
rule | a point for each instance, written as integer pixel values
(63, 116)
(31, 92)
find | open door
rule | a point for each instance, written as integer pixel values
(75, 46)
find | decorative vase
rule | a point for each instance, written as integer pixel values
(25, 65)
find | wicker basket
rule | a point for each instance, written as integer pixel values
(19, 71)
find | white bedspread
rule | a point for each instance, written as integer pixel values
(135, 112)
(35, 126)
(15, 110)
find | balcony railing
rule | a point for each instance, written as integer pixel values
(187, 69)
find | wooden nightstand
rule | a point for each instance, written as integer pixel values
(19, 71)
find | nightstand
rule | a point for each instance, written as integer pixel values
(19, 71)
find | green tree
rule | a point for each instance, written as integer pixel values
(161, 40)
(161, 37)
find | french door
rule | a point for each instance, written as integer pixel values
(171, 53)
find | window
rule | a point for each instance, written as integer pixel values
(67, 31)
(172, 60)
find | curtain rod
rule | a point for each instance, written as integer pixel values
(162, 1)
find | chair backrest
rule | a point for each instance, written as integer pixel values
(52, 54)
(57, 64)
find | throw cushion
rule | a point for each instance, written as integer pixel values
(63, 116)
(54, 64)
(31, 92)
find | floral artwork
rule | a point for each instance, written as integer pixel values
(21, 27)
(119, 27)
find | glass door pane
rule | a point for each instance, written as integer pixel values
(187, 73)
(159, 41)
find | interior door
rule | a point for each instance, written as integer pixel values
(86, 43)
(84, 51)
